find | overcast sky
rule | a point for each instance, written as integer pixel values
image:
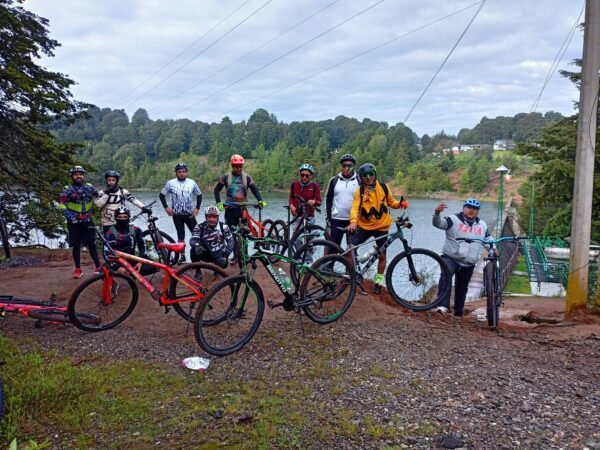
(112, 47)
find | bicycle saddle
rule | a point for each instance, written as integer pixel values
(176, 247)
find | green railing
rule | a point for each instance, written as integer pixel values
(543, 270)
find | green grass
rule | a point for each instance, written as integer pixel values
(518, 284)
(59, 401)
(521, 265)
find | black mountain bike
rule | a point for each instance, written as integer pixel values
(413, 276)
(233, 308)
(491, 276)
(153, 236)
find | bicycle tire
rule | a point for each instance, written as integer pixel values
(298, 239)
(327, 290)
(87, 299)
(206, 274)
(428, 290)
(4, 238)
(61, 316)
(163, 256)
(221, 312)
(266, 226)
(304, 256)
(277, 232)
(492, 307)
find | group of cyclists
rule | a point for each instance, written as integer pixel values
(356, 202)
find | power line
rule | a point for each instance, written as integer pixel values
(246, 55)
(183, 51)
(557, 60)
(198, 54)
(333, 66)
(282, 56)
(445, 59)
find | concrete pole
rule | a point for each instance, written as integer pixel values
(581, 219)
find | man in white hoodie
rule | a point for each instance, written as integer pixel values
(338, 201)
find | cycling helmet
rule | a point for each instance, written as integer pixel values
(473, 203)
(348, 157)
(308, 167)
(181, 166)
(236, 159)
(122, 210)
(77, 169)
(112, 173)
(211, 211)
(366, 168)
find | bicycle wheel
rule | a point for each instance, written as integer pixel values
(201, 272)
(304, 235)
(328, 291)
(310, 252)
(266, 226)
(493, 309)
(424, 291)
(230, 316)
(4, 238)
(277, 231)
(163, 255)
(88, 299)
(61, 316)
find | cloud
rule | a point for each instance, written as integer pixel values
(110, 48)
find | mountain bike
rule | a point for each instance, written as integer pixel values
(412, 277)
(4, 238)
(290, 240)
(112, 295)
(153, 237)
(258, 228)
(41, 310)
(233, 309)
(491, 276)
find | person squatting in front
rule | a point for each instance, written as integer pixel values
(309, 190)
(460, 256)
(125, 237)
(212, 240)
(113, 197)
(370, 215)
(182, 190)
(76, 203)
(237, 182)
(338, 200)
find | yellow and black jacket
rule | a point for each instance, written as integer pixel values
(373, 212)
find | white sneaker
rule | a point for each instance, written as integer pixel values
(442, 310)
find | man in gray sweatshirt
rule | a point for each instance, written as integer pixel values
(460, 256)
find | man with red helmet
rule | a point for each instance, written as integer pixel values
(237, 183)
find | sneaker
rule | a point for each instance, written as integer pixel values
(442, 310)
(377, 289)
(77, 273)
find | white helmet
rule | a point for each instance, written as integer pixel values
(211, 211)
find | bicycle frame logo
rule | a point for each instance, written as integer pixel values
(276, 278)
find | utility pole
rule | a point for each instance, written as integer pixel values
(581, 219)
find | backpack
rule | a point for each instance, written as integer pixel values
(244, 179)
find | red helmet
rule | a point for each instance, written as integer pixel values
(236, 159)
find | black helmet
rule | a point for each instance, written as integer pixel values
(112, 173)
(348, 157)
(77, 169)
(122, 210)
(366, 168)
(180, 166)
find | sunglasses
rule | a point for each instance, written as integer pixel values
(305, 175)
(368, 174)
(348, 166)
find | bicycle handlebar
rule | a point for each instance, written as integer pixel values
(149, 206)
(491, 242)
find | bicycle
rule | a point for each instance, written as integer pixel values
(233, 309)
(153, 237)
(41, 310)
(4, 238)
(112, 295)
(412, 277)
(281, 230)
(491, 276)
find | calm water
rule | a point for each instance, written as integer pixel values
(422, 234)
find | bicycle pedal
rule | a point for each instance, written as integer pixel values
(274, 305)
(167, 309)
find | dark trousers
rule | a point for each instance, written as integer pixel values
(462, 276)
(232, 218)
(82, 233)
(181, 221)
(336, 235)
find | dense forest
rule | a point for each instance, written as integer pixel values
(144, 150)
